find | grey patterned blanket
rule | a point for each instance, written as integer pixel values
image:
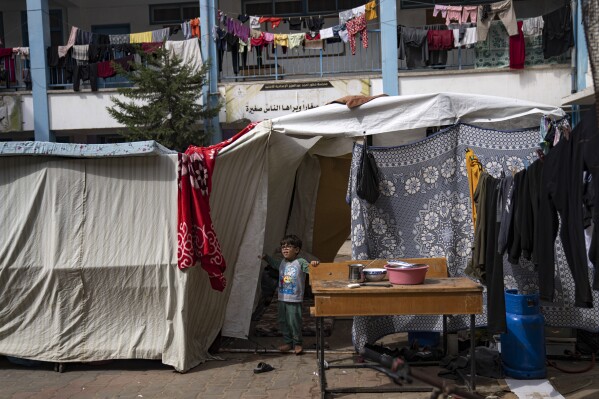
(424, 211)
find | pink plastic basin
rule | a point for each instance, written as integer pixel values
(414, 275)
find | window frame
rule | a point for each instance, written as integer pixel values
(59, 28)
(180, 6)
(417, 4)
(305, 8)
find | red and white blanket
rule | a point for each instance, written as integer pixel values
(197, 241)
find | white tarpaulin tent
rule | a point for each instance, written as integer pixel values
(289, 175)
(88, 246)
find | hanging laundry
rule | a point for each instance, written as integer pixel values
(106, 69)
(413, 46)
(295, 23)
(355, 26)
(517, 49)
(370, 10)
(533, 26)
(243, 17)
(473, 171)
(186, 30)
(254, 22)
(558, 34)
(343, 34)
(274, 21)
(83, 37)
(119, 39)
(62, 50)
(281, 40)
(188, 51)
(81, 52)
(143, 37)
(468, 39)
(160, 35)
(295, 40)
(326, 33)
(85, 72)
(238, 29)
(313, 42)
(454, 13)
(440, 9)
(268, 37)
(345, 16)
(150, 48)
(469, 12)
(315, 24)
(195, 27)
(440, 40)
(504, 10)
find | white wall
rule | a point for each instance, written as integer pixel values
(546, 85)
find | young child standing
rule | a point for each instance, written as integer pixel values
(292, 278)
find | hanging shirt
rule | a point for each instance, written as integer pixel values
(282, 40)
(313, 42)
(326, 33)
(357, 25)
(370, 10)
(195, 27)
(254, 22)
(295, 23)
(292, 278)
(143, 37)
(469, 38)
(186, 30)
(533, 26)
(295, 40)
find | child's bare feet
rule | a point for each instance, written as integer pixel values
(285, 348)
(298, 349)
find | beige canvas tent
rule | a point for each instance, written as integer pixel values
(88, 244)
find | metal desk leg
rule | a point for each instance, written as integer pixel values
(320, 355)
(445, 335)
(472, 354)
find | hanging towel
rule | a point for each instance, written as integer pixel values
(160, 35)
(188, 51)
(143, 37)
(62, 50)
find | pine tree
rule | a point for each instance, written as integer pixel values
(163, 104)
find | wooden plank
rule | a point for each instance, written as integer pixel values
(410, 303)
(456, 284)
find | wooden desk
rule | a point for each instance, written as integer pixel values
(439, 295)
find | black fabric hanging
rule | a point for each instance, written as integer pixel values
(367, 182)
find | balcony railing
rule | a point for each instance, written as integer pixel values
(274, 64)
(334, 59)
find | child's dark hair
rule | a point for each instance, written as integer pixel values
(292, 239)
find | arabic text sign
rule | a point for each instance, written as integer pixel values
(257, 102)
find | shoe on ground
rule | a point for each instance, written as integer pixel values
(298, 350)
(263, 368)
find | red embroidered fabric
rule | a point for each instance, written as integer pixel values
(197, 241)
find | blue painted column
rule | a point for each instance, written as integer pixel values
(389, 52)
(38, 23)
(581, 59)
(210, 91)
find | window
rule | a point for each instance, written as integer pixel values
(431, 3)
(173, 13)
(56, 37)
(297, 7)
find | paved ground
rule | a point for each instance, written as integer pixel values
(233, 376)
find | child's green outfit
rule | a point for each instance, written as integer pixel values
(292, 279)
